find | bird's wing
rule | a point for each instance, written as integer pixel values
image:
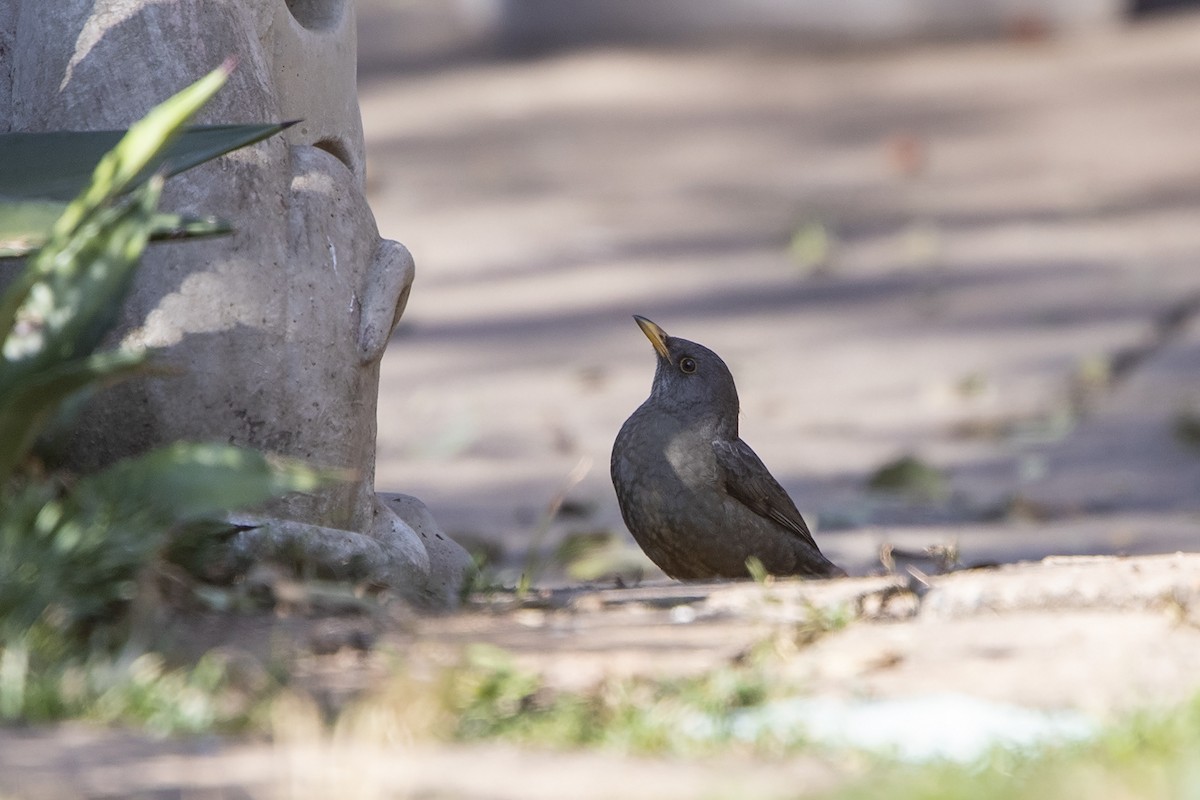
(748, 480)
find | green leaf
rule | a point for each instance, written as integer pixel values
(184, 482)
(114, 174)
(65, 301)
(58, 165)
(81, 552)
(911, 476)
(24, 409)
(25, 225)
(76, 289)
(184, 226)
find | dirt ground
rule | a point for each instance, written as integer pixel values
(934, 668)
(980, 254)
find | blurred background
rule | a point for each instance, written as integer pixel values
(950, 251)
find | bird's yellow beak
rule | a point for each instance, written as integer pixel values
(656, 335)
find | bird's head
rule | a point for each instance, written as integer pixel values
(691, 379)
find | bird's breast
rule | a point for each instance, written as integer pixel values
(692, 459)
(653, 443)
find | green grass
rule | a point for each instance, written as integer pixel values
(48, 680)
(1147, 756)
(489, 697)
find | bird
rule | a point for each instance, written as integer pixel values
(697, 499)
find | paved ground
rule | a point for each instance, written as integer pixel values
(981, 254)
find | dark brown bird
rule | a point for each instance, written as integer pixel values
(696, 498)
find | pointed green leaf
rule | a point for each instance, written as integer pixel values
(25, 408)
(76, 291)
(202, 143)
(165, 227)
(80, 552)
(25, 225)
(183, 482)
(113, 175)
(57, 165)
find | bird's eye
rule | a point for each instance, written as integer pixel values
(687, 365)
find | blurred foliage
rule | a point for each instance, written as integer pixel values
(811, 247)
(25, 225)
(757, 571)
(140, 689)
(1187, 428)
(972, 384)
(910, 476)
(490, 696)
(78, 551)
(598, 554)
(1150, 756)
(74, 551)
